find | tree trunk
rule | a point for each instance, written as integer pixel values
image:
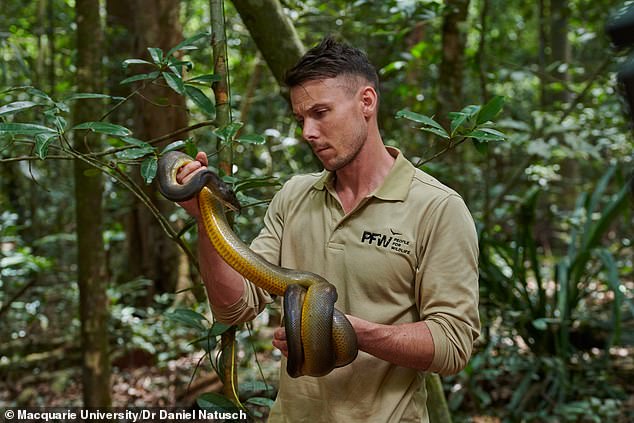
(556, 50)
(543, 41)
(159, 111)
(50, 31)
(560, 48)
(225, 163)
(436, 402)
(453, 58)
(281, 48)
(93, 305)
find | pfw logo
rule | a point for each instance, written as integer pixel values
(380, 239)
(392, 243)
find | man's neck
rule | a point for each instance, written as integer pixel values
(364, 174)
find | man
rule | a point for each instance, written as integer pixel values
(399, 246)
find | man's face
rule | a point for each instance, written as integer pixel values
(330, 112)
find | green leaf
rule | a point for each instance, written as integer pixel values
(24, 129)
(39, 93)
(63, 107)
(141, 77)
(156, 54)
(173, 146)
(229, 132)
(481, 147)
(205, 78)
(440, 132)
(129, 62)
(200, 99)
(219, 328)
(597, 194)
(471, 110)
(492, 131)
(608, 214)
(60, 124)
(92, 172)
(104, 128)
(261, 401)
(190, 148)
(457, 119)
(135, 141)
(15, 107)
(246, 184)
(174, 82)
(188, 318)
(212, 401)
(148, 169)
(177, 65)
(135, 153)
(543, 322)
(486, 134)
(31, 90)
(614, 283)
(416, 117)
(254, 386)
(5, 142)
(42, 141)
(207, 343)
(82, 96)
(490, 110)
(188, 42)
(251, 139)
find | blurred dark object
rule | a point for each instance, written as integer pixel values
(620, 29)
(625, 78)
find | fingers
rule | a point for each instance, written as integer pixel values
(279, 341)
(201, 156)
(186, 172)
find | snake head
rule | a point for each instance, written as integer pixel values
(221, 190)
(168, 167)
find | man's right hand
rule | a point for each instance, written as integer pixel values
(184, 174)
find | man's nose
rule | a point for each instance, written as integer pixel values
(309, 130)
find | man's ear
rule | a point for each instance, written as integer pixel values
(369, 101)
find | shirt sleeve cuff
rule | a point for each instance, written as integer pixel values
(446, 361)
(248, 306)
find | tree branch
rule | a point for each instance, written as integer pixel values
(451, 146)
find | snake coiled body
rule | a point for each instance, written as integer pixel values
(319, 336)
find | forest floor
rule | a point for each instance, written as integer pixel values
(170, 385)
(138, 381)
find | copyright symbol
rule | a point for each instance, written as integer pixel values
(9, 414)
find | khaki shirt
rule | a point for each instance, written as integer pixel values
(408, 252)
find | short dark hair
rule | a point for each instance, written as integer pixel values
(330, 59)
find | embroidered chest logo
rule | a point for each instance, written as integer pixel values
(391, 242)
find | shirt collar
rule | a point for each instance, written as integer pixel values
(396, 185)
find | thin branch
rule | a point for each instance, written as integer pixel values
(113, 171)
(582, 94)
(34, 158)
(17, 295)
(451, 146)
(157, 140)
(119, 104)
(140, 194)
